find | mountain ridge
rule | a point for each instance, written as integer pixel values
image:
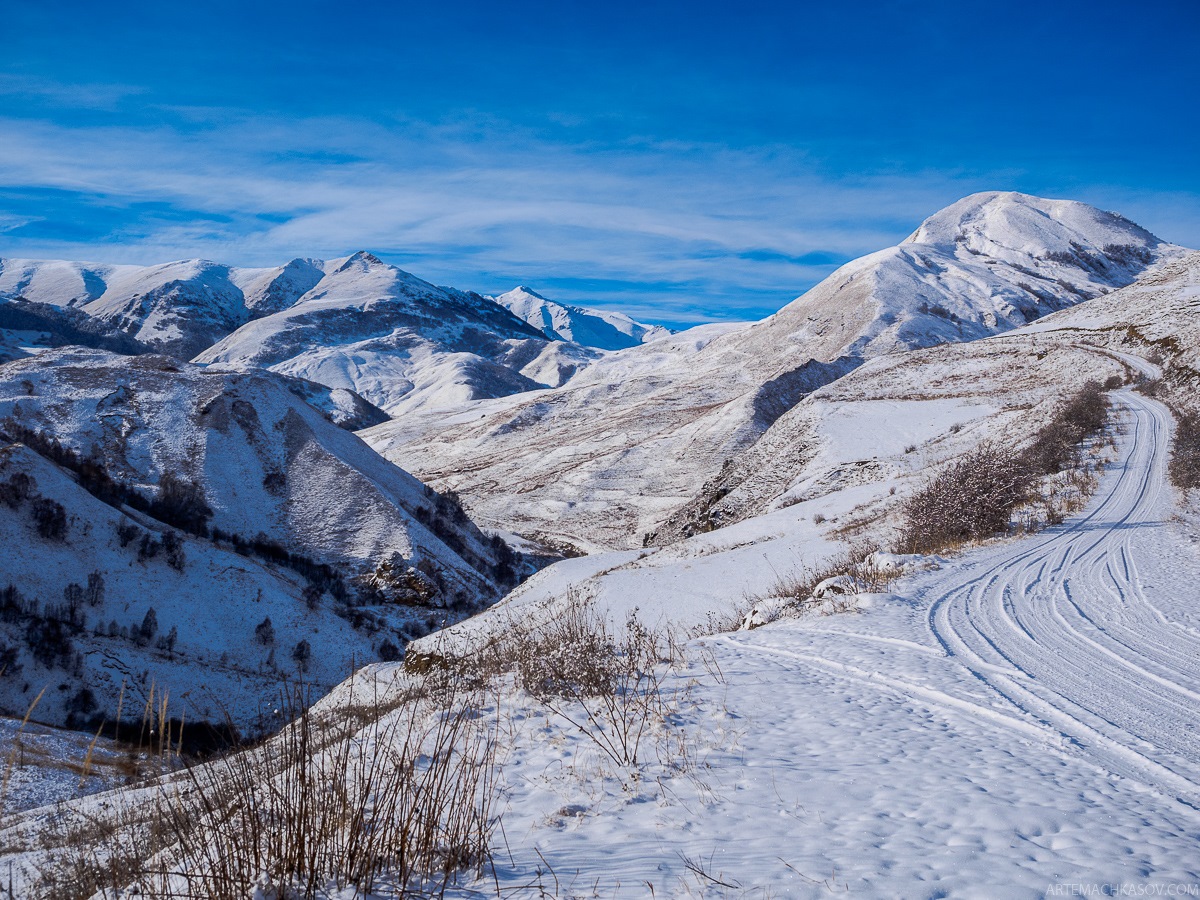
(646, 428)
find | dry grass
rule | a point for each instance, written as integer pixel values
(793, 592)
(609, 684)
(399, 807)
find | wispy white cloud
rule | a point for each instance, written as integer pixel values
(11, 223)
(76, 95)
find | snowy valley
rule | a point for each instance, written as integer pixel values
(581, 607)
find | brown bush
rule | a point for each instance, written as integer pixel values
(389, 799)
(975, 496)
(1184, 467)
(970, 499)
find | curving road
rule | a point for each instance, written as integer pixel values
(1066, 629)
(1086, 636)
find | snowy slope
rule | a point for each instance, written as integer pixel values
(1158, 315)
(279, 478)
(834, 468)
(588, 327)
(213, 598)
(1017, 723)
(607, 458)
(364, 326)
(266, 460)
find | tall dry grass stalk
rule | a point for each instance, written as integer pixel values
(394, 798)
(17, 747)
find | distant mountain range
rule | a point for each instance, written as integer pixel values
(589, 327)
(355, 323)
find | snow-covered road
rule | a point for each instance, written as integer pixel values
(1023, 722)
(1067, 630)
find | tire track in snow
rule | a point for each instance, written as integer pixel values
(1135, 719)
(1059, 630)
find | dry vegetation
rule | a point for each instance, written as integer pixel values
(393, 796)
(606, 683)
(1185, 451)
(396, 796)
(1179, 396)
(976, 495)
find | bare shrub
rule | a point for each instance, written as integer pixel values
(975, 496)
(970, 499)
(798, 587)
(50, 518)
(1056, 445)
(1184, 467)
(17, 489)
(607, 683)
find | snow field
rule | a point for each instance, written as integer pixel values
(1020, 719)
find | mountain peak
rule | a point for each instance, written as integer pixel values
(361, 260)
(600, 329)
(991, 220)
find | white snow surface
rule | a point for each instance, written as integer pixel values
(601, 329)
(1018, 721)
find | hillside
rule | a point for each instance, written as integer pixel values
(798, 457)
(948, 729)
(606, 459)
(263, 498)
(106, 608)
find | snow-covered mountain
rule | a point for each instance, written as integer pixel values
(354, 323)
(899, 401)
(604, 460)
(301, 513)
(178, 308)
(589, 327)
(834, 468)
(399, 341)
(265, 457)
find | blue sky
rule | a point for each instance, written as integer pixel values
(681, 161)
